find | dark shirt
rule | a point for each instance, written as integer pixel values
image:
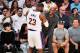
(7, 37)
(52, 21)
(52, 24)
(66, 20)
(23, 35)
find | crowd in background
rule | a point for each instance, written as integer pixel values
(13, 13)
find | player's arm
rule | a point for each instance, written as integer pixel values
(44, 20)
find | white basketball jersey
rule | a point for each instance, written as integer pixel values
(33, 21)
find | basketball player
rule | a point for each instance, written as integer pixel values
(34, 21)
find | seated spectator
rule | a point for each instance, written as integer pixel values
(76, 4)
(14, 8)
(74, 14)
(74, 33)
(7, 37)
(60, 38)
(5, 17)
(18, 20)
(23, 38)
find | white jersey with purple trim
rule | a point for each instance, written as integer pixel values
(33, 20)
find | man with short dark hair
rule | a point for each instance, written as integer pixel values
(4, 15)
(63, 17)
(18, 20)
(74, 33)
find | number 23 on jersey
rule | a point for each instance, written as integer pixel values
(32, 21)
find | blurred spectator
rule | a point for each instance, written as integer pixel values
(74, 33)
(37, 1)
(7, 37)
(18, 20)
(33, 3)
(6, 2)
(20, 3)
(2, 5)
(23, 38)
(76, 4)
(66, 4)
(5, 17)
(63, 17)
(27, 6)
(58, 2)
(60, 38)
(48, 32)
(48, 4)
(10, 3)
(14, 8)
(23, 32)
(74, 15)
